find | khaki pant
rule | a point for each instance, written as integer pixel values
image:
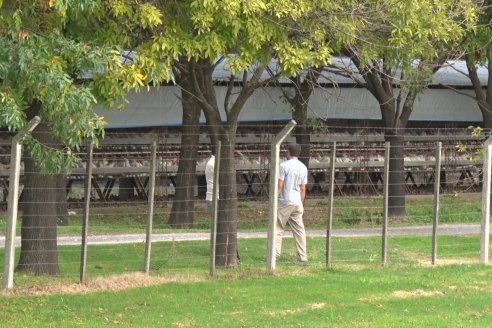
(293, 215)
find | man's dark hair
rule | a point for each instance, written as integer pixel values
(294, 150)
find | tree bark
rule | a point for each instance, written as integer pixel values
(126, 188)
(483, 94)
(300, 101)
(487, 118)
(183, 209)
(226, 250)
(379, 82)
(39, 254)
(301, 131)
(396, 188)
(303, 138)
(61, 197)
(203, 88)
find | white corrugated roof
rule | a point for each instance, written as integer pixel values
(453, 73)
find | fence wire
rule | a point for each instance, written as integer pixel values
(120, 189)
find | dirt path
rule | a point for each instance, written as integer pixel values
(444, 230)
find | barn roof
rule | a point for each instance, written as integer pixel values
(452, 73)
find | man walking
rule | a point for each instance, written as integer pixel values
(292, 192)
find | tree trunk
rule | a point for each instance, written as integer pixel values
(303, 91)
(483, 93)
(487, 119)
(183, 209)
(226, 249)
(61, 197)
(396, 179)
(301, 131)
(126, 189)
(303, 137)
(39, 255)
(379, 82)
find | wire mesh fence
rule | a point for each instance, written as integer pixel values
(119, 202)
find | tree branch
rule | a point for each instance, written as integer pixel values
(477, 86)
(198, 91)
(386, 79)
(345, 72)
(407, 109)
(246, 91)
(230, 85)
(458, 91)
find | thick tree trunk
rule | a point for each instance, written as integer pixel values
(379, 82)
(61, 197)
(226, 249)
(487, 121)
(301, 132)
(39, 255)
(396, 188)
(486, 110)
(183, 209)
(303, 91)
(126, 189)
(483, 93)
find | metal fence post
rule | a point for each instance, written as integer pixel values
(273, 201)
(384, 246)
(437, 186)
(87, 202)
(13, 202)
(330, 206)
(215, 202)
(151, 195)
(485, 224)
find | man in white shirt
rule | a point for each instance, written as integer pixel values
(209, 176)
(292, 192)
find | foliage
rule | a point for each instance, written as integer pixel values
(402, 44)
(401, 32)
(252, 32)
(477, 48)
(49, 57)
(478, 44)
(473, 154)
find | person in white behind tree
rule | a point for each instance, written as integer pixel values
(209, 176)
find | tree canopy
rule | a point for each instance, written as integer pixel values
(68, 56)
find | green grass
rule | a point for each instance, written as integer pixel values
(192, 257)
(253, 215)
(356, 292)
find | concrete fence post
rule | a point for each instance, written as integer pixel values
(273, 201)
(215, 208)
(87, 202)
(384, 246)
(151, 196)
(485, 224)
(437, 187)
(329, 227)
(13, 202)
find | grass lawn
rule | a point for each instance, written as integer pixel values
(355, 292)
(253, 215)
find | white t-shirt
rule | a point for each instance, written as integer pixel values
(294, 174)
(209, 176)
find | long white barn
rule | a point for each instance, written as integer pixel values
(339, 98)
